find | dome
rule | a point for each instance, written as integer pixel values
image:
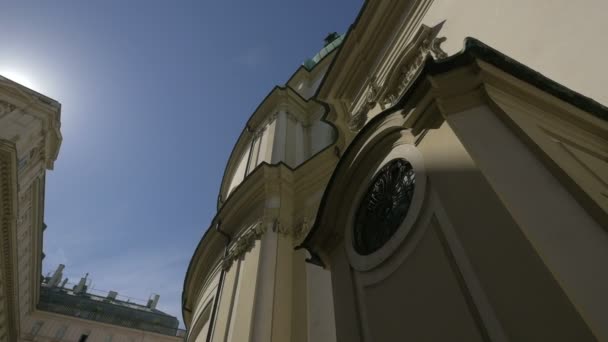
(332, 41)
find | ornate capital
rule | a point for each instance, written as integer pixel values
(297, 232)
(300, 231)
(243, 244)
(281, 229)
(371, 99)
(6, 108)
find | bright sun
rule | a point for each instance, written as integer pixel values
(18, 77)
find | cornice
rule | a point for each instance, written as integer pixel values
(280, 98)
(363, 49)
(243, 243)
(385, 89)
(247, 216)
(15, 97)
(27, 93)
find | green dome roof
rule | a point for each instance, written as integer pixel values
(332, 41)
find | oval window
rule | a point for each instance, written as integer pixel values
(384, 206)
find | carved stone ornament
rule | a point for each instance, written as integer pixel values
(384, 206)
(359, 119)
(243, 244)
(281, 229)
(6, 108)
(297, 232)
(426, 43)
(300, 231)
(386, 93)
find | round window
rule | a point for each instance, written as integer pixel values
(384, 206)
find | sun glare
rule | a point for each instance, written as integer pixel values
(19, 77)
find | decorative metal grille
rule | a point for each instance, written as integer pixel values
(384, 206)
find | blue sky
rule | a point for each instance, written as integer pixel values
(154, 94)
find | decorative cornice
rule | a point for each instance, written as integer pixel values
(263, 126)
(371, 98)
(243, 244)
(401, 75)
(296, 232)
(6, 108)
(300, 231)
(281, 229)
(430, 46)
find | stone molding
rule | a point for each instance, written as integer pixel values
(401, 75)
(263, 126)
(280, 101)
(243, 244)
(246, 240)
(371, 98)
(7, 220)
(6, 108)
(296, 232)
(300, 230)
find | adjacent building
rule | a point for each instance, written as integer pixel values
(411, 183)
(34, 308)
(76, 312)
(29, 144)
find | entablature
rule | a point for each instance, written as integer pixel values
(356, 93)
(35, 118)
(265, 201)
(284, 128)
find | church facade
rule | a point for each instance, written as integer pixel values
(412, 183)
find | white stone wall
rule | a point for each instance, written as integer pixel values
(564, 40)
(46, 326)
(286, 138)
(287, 135)
(30, 122)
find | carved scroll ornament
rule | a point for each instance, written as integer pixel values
(6, 108)
(243, 244)
(386, 93)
